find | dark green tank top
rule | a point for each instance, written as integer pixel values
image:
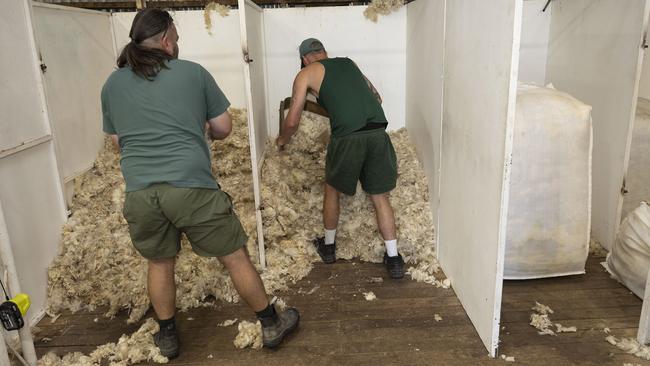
(347, 98)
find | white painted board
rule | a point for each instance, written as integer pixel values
(251, 19)
(219, 52)
(34, 213)
(638, 171)
(378, 48)
(77, 48)
(255, 44)
(481, 60)
(644, 84)
(424, 86)
(535, 29)
(595, 55)
(21, 103)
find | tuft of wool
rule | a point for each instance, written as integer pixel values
(250, 335)
(381, 7)
(630, 345)
(369, 296)
(508, 358)
(129, 350)
(540, 319)
(227, 323)
(222, 10)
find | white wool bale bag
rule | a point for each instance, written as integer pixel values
(629, 260)
(549, 208)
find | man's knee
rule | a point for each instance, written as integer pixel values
(239, 256)
(162, 263)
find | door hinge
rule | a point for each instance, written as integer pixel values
(624, 190)
(247, 58)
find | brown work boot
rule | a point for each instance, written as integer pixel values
(276, 327)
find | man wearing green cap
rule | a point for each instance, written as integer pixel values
(359, 149)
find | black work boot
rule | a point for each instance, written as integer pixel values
(327, 252)
(167, 340)
(276, 327)
(394, 266)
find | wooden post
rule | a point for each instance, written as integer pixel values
(643, 336)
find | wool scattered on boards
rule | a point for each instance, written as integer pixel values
(135, 348)
(540, 319)
(98, 266)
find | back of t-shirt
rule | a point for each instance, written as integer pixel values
(160, 124)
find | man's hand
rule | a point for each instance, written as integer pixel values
(280, 142)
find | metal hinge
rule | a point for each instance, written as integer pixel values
(247, 58)
(644, 45)
(624, 190)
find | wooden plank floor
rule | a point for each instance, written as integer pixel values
(339, 327)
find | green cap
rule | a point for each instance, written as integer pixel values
(310, 45)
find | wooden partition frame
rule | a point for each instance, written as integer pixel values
(482, 41)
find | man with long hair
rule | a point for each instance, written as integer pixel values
(155, 108)
(359, 149)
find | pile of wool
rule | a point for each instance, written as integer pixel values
(540, 319)
(97, 264)
(250, 335)
(629, 345)
(292, 193)
(220, 9)
(382, 7)
(129, 350)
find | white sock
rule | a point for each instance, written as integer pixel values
(330, 236)
(391, 247)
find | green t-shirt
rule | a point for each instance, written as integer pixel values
(160, 124)
(346, 96)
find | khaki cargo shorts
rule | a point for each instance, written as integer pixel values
(366, 156)
(157, 215)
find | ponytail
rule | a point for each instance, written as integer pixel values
(146, 62)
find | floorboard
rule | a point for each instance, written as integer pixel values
(339, 327)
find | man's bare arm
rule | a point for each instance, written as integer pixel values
(116, 141)
(298, 100)
(220, 126)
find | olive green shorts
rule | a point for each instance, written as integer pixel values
(366, 156)
(157, 215)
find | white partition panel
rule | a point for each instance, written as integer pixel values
(378, 48)
(21, 119)
(219, 52)
(595, 55)
(481, 60)
(257, 66)
(77, 48)
(30, 185)
(535, 29)
(34, 213)
(425, 34)
(251, 22)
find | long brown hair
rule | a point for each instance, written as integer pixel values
(146, 61)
